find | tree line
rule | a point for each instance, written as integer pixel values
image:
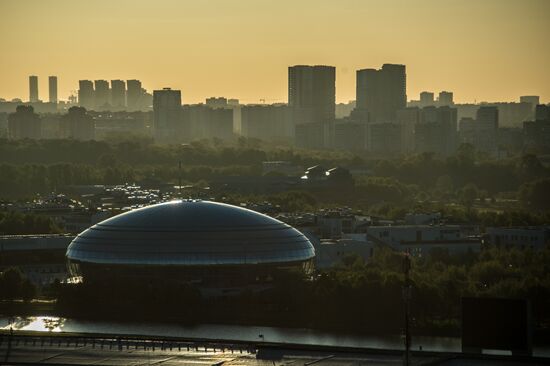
(41, 166)
(357, 295)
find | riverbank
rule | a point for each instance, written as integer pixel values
(261, 319)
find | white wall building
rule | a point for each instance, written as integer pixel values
(523, 237)
(420, 239)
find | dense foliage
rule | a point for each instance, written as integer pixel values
(28, 167)
(14, 286)
(355, 296)
(15, 223)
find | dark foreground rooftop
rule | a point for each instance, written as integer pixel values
(58, 349)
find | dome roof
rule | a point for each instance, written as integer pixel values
(190, 232)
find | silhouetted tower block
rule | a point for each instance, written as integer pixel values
(167, 114)
(52, 89)
(407, 119)
(312, 93)
(445, 99)
(33, 89)
(203, 122)
(436, 132)
(24, 124)
(427, 99)
(266, 122)
(133, 95)
(481, 132)
(350, 135)
(118, 94)
(216, 102)
(533, 100)
(536, 134)
(101, 95)
(542, 112)
(488, 115)
(78, 125)
(312, 98)
(382, 92)
(86, 94)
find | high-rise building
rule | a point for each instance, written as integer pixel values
(216, 102)
(52, 88)
(33, 89)
(407, 119)
(118, 94)
(350, 134)
(445, 99)
(534, 100)
(436, 131)
(312, 93)
(167, 114)
(314, 135)
(481, 132)
(384, 138)
(101, 95)
(542, 112)
(24, 123)
(488, 115)
(202, 122)
(536, 134)
(267, 122)
(86, 94)
(312, 99)
(133, 95)
(426, 99)
(78, 125)
(382, 92)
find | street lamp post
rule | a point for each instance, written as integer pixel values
(407, 300)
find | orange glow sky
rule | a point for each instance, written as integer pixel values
(484, 50)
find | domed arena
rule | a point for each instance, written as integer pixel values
(200, 242)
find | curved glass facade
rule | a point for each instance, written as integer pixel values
(191, 240)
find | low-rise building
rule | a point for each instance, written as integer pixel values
(41, 258)
(421, 239)
(329, 253)
(336, 224)
(534, 237)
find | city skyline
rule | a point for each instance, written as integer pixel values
(208, 49)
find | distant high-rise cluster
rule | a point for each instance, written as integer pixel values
(120, 95)
(380, 121)
(33, 89)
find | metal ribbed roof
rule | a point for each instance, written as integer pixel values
(190, 233)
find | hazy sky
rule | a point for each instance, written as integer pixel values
(480, 49)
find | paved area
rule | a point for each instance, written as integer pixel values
(114, 352)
